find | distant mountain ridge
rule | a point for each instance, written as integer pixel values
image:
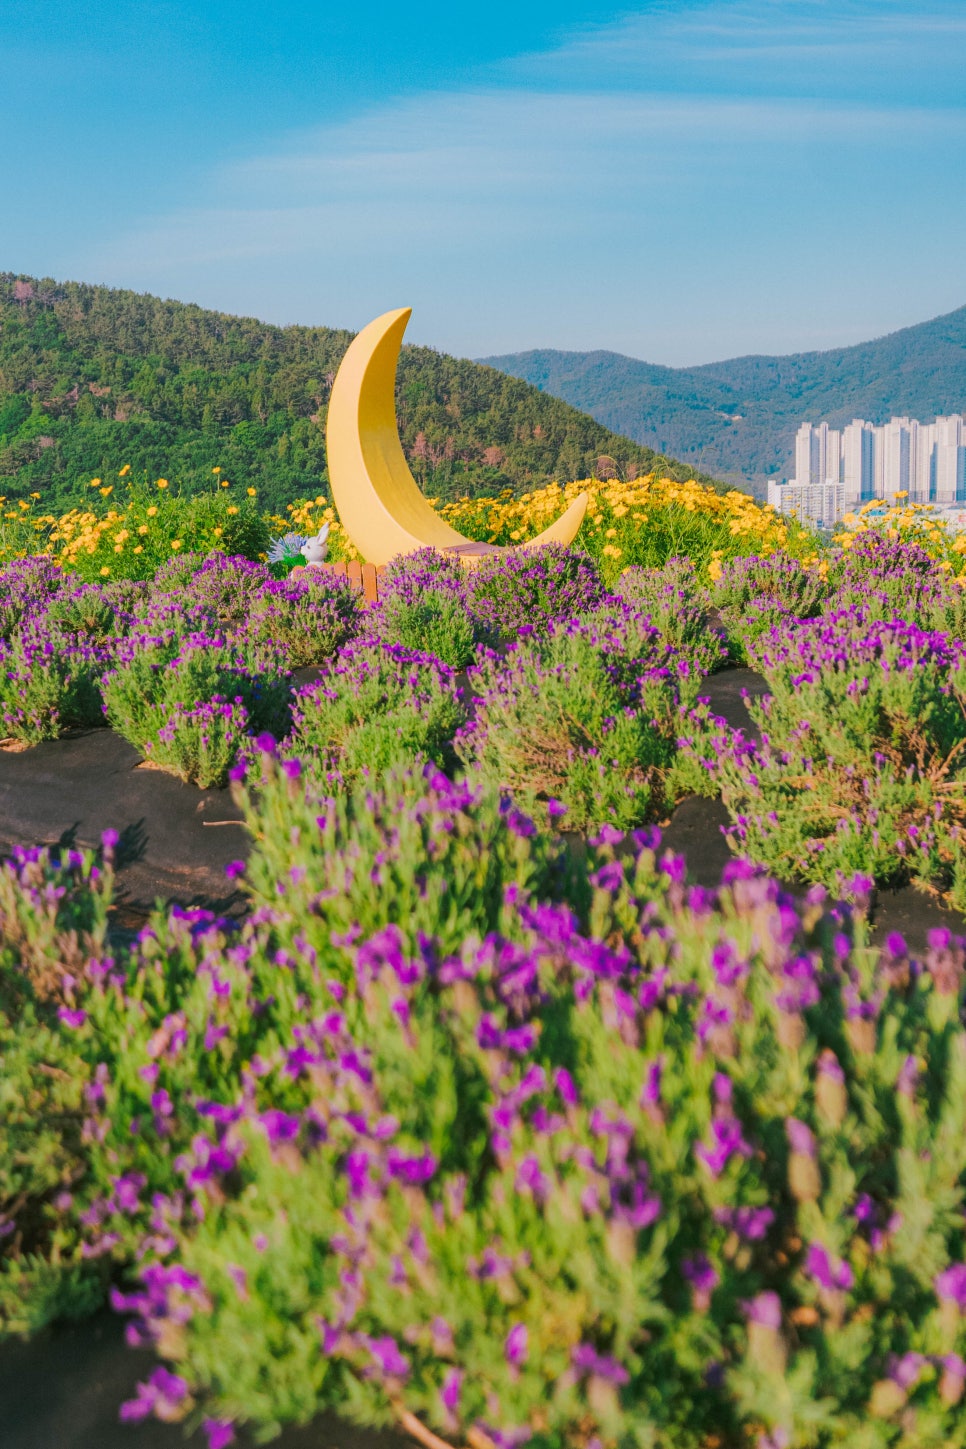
(737, 419)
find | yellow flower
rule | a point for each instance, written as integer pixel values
(35, 495)
(216, 470)
(218, 532)
(252, 492)
(95, 482)
(139, 549)
(223, 483)
(715, 570)
(143, 529)
(152, 510)
(105, 571)
(125, 471)
(177, 542)
(106, 492)
(233, 508)
(162, 482)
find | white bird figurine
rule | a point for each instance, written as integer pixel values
(315, 549)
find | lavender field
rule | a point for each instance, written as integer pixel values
(483, 1119)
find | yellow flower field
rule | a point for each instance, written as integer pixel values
(130, 525)
(644, 521)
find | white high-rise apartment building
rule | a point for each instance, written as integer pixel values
(836, 470)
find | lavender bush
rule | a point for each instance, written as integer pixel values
(753, 595)
(677, 605)
(221, 586)
(375, 706)
(861, 764)
(424, 605)
(188, 701)
(306, 619)
(605, 1160)
(26, 588)
(519, 592)
(53, 924)
(48, 682)
(584, 717)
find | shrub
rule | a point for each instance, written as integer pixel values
(374, 707)
(520, 592)
(647, 1172)
(185, 700)
(48, 683)
(53, 922)
(424, 606)
(140, 526)
(754, 595)
(677, 605)
(641, 521)
(307, 619)
(87, 611)
(553, 1158)
(220, 586)
(861, 761)
(26, 589)
(585, 717)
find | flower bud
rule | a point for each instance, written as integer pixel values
(952, 1381)
(887, 1398)
(831, 1096)
(861, 1033)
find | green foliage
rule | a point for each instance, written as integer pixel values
(860, 765)
(374, 707)
(186, 700)
(434, 623)
(584, 718)
(92, 379)
(48, 683)
(676, 605)
(452, 1128)
(53, 922)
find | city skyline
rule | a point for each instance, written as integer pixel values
(837, 469)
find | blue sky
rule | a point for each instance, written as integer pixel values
(681, 180)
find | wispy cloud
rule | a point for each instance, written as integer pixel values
(598, 182)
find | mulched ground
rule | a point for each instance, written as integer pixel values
(62, 1389)
(175, 839)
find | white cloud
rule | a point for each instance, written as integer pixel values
(553, 193)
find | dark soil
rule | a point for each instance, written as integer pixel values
(175, 839)
(62, 1389)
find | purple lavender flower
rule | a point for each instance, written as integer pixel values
(819, 1266)
(516, 1345)
(950, 1286)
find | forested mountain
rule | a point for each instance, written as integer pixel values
(92, 379)
(738, 419)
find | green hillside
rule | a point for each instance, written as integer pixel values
(92, 378)
(738, 419)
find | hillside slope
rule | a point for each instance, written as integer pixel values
(738, 419)
(93, 378)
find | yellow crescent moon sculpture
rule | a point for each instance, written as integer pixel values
(376, 496)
